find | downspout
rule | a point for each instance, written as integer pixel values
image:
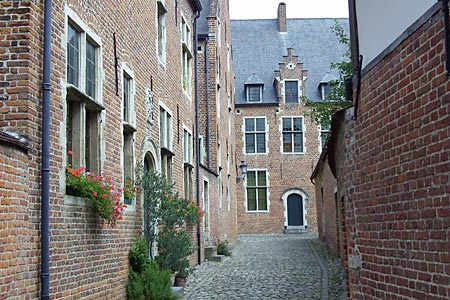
(45, 171)
(197, 135)
(208, 134)
(445, 11)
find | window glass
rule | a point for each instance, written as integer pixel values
(291, 91)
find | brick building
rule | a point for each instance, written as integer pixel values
(278, 63)
(390, 153)
(217, 143)
(122, 96)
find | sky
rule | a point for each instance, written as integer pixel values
(267, 9)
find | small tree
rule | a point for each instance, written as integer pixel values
(335, 100)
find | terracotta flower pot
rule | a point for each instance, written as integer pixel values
(180, 281)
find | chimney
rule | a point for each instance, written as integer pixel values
(282, 24)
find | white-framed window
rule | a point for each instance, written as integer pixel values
(166, 143)
(83, 95)
(188, 163)
(257, 191)
(254, 92)
(128, 128)
(324, 133)
(186, 56)
(161, 26)
(292, 91)
(255, 135)
(292, 134)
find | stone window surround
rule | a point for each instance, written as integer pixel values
(266, 136)
(303, 136)
(84, 102)
(267, 193)
(299, 87)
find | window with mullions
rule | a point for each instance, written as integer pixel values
(83, 97)
(256, 190)
(255, 135)
(292, 135)
(161, 19)
(254, 93)
(291, 91)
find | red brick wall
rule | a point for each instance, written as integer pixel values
(18, 235)
(285, 171)
(88, 259)
(220, 87)
(397, 186)
(327, 208)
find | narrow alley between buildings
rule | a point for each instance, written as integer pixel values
(289, 267)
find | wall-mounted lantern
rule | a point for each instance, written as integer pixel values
(243, 167)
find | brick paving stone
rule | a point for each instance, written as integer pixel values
(267, 267)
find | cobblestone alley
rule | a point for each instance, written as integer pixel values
(289, 267)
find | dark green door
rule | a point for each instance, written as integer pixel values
(295, 210)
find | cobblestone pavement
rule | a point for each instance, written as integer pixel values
(266, 267)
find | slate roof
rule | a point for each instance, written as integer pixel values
(202, 22)
(258, 47)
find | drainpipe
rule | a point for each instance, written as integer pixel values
(197, 135)
(208, 134)
(45, 182)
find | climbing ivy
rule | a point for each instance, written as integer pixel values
(322, 111)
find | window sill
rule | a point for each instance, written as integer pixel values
(167, 151)
(74, 94)
(252, 212)
(128, 128)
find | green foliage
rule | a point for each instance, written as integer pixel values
(145, 280)
(163, 209)
(174, 248)
(138, 255)
(222, 248)
(335, 100)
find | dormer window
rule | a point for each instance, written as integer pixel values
(254, 93)
(325, 89)
(326, 84)
(254, 89)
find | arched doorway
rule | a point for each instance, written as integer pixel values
(294, 209)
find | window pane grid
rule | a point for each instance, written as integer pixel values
(255, 135)
(73, 52)
(90, 69)
(256, 191)
(292, 135)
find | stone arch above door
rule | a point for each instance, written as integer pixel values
(149, 153)
(294, 196)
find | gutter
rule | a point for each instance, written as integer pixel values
(197, 134)
(45, 171)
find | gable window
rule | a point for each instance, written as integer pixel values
(292, 135)
(165, 141)
(255, 135)
(186, 56)
(256, 190)
(254, 92)
(291, 91)
(188, 164)
(161, 20)
(83, 99)
(128, 129)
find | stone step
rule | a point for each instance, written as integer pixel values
(295, 231)
(217, 258)
(210, 251)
